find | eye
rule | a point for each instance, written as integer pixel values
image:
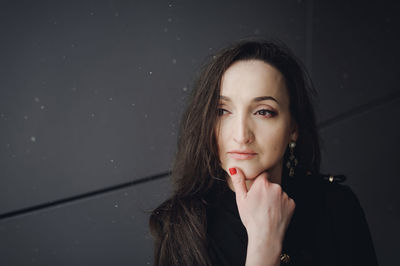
(221, 111)
(266, 112)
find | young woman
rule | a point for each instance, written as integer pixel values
(247, 183)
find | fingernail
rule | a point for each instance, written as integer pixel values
(232, 171)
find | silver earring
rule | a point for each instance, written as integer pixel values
(292, 162)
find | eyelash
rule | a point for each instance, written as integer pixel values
(262, 110)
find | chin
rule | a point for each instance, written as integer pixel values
(251, 173)
(251, 169)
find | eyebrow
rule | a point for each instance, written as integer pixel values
(257, 99)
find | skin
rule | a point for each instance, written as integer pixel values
(244, 124)
(266, 128)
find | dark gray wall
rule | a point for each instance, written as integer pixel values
(90, 98)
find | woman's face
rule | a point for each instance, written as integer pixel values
(254, 125)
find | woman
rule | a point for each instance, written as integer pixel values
(247, 186)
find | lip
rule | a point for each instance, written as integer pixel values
(242, 155)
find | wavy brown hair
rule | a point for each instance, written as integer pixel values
(179, 225)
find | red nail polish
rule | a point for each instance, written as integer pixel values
(232, 171)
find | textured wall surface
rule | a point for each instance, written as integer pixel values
(91, 93)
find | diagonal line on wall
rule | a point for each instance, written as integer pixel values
(393, 96)
(38, 207)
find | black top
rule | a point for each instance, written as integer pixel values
(328, 226)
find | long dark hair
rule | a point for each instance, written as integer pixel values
(179, 224)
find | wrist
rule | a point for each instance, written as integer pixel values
(260, 239)
(271, 247)
(263, 251)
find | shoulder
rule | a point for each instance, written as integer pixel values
(330, 185)
(327, 191)
(339, 196)
(318, 185)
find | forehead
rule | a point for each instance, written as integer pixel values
(247, 79)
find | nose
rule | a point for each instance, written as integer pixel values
(242, 131)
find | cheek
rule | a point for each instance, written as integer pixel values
(221, 135)
(274, 142)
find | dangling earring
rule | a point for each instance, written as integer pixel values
(292, 162)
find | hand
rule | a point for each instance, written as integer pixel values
(265, 209)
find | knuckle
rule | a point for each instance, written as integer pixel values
(276, 187)
(292, 202)
(285, 196)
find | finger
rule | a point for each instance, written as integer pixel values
(263, 177)
(292, 203)
(238, 182)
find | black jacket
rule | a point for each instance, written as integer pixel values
(328, 226)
